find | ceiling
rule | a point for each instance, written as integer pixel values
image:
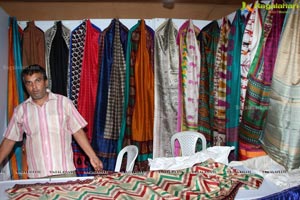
(130, 9)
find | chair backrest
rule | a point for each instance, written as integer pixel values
(132, 153)
(187, 141)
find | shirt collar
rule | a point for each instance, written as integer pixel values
(51, 96)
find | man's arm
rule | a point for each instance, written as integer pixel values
(5, 148)
(83, 142)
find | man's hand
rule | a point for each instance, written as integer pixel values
(96, 163)
(83, 142)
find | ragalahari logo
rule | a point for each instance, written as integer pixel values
(245, 6)
(270, 6)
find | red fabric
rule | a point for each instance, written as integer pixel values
(89, 78)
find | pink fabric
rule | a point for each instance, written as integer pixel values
(49, 130)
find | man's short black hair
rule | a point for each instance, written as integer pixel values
(32, 69)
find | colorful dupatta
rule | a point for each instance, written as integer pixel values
(281, 138)
(189, 76)
(15, 95)
(251, 37)
(220, 84)
(258, 90)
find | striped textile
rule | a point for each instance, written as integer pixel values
(281, 138)
(207, 180)
(258, 91)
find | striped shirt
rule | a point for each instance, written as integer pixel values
(49, 130)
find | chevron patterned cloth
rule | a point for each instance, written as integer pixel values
(206, 180)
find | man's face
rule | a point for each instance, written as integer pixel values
(36, 85)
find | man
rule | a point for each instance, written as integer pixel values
(49, 121)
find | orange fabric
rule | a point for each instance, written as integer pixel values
(12, 96)
(247, 151)
(12, 102)
(143, 112)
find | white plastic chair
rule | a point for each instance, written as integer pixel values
(132, 153)
(187, 141)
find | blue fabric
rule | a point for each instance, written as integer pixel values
(18, 69)
(106, 148)
(288, 194)
(17, 58)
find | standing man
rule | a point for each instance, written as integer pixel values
(49, 121)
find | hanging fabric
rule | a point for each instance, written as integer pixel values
(140, 111)
(189, 76)
(256, 101)
(15, 95)
(281, 137)
(233, 82)
(88, 88)
(166, 88)
(209, 38)
(251, 37)
(110, 96)
(57, 57)
(220, 85)
(258, 91)
(77, 43)
(33, 45)
(124, 138)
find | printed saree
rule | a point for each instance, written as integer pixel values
(258, 90)
(189, 76)
(220, 84)
(208, 37)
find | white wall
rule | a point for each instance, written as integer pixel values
(4, 172)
